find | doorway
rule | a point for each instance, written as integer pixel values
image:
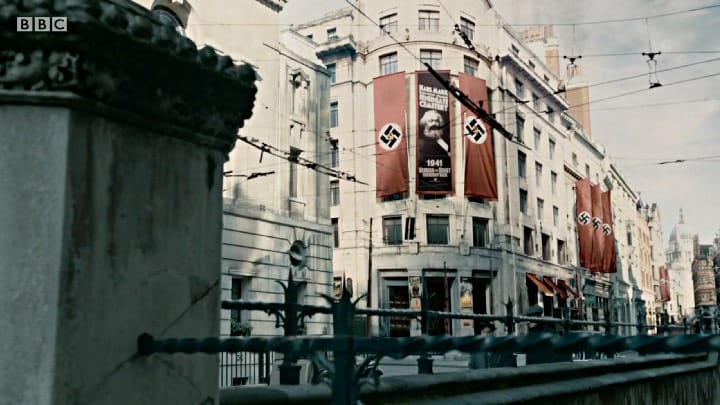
(398, 298)
(439, 300)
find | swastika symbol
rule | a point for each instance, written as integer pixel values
(584, 218)
(475, 130)
(607, 230)
(390, 136)
(596, 223)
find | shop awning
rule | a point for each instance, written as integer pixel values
(539, 284)
(561, 292)
(567, 287)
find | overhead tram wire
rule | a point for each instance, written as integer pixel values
(460, 96)
(322, 169)
(616, 80)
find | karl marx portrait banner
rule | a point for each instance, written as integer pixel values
(434, 135)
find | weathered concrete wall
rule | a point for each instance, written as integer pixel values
(123, 238)
(661, 379)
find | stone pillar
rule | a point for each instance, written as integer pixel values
(112, 141)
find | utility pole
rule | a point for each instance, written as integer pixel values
(369, 281)
(447, 298)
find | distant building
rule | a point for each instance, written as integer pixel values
(704, 285)
(679, 255)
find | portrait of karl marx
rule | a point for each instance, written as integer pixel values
(435, 142)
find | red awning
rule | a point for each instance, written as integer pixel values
(569, 289)
(561, 292)
(539, 284)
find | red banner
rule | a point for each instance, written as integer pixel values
(434, 135)
(583, 216)
(480, 176)
(391, 166)
(598, 244)
(608, 261)
(664, 284)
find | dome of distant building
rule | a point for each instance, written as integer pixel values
(682, 230)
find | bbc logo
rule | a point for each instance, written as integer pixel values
(42, 24)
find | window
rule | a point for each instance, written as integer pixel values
(537, 137)
(553, 182)
(536, 102)
(395, 197)
(546, 247)
(309, 36)
(331, 34)
(481, 235)
(629, 236)
(528, 243)
(392, 230)
(561, 252)
(521, 164)
(388, 63)
(334, 193)
(431, 57)
(519, 89)
(331, 70)
(334, 155)
(538, 174)
(467, 27)
(587, 170)
(556, 216)
(236, 294)
(471, 66)
(540, 208)
(519, 128)
(429, 20)
(575, 159)
(336, 233)
(389, 24)
(334, 114)
(523, 201)
(532, 64)
(294, 155)
(515, 49)
(438, 229)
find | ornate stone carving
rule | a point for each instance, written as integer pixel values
(117, 53)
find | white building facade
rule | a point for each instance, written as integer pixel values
(521, 247)
(271, 200)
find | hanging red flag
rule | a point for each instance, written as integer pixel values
(608, 228)
(391, 166)
(664, 284)
(480, 175)
(598, 239)
(583, 216)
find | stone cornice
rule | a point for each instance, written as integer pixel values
(118, 56)
(275, 5)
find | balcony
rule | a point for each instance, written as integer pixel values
(345, 46)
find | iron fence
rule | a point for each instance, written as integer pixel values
(245, 368)
(342, 372)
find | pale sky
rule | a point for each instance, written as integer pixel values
(636, 131)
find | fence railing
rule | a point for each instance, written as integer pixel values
(245, 368)
(345, 376)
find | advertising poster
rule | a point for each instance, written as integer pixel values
(415, 293)
(466, 301)
(434, 136)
